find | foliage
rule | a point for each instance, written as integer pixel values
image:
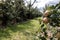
(50, 28)
(54, 15)
(13, 11)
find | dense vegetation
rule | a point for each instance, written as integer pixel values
(27, 25)
(13, 11)
(53, 15)
(50, 28)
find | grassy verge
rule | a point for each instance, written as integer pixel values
(22, 31)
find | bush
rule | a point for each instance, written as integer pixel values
(16, 11)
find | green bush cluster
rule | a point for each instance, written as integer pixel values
(51, 29)
(13, 11)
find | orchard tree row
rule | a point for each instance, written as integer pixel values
(13, 11)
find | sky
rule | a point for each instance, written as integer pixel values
(42, 3)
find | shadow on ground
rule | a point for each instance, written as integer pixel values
(21, 27)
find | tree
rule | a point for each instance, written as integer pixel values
(14, 11)
(51, 13)
(54, 15)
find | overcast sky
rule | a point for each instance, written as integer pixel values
(42, 3)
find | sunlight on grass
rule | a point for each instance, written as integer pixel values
(21, 31)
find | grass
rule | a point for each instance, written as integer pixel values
(22, 31)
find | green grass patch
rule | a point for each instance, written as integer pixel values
(22, 31)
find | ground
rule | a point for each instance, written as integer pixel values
(21, 31)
